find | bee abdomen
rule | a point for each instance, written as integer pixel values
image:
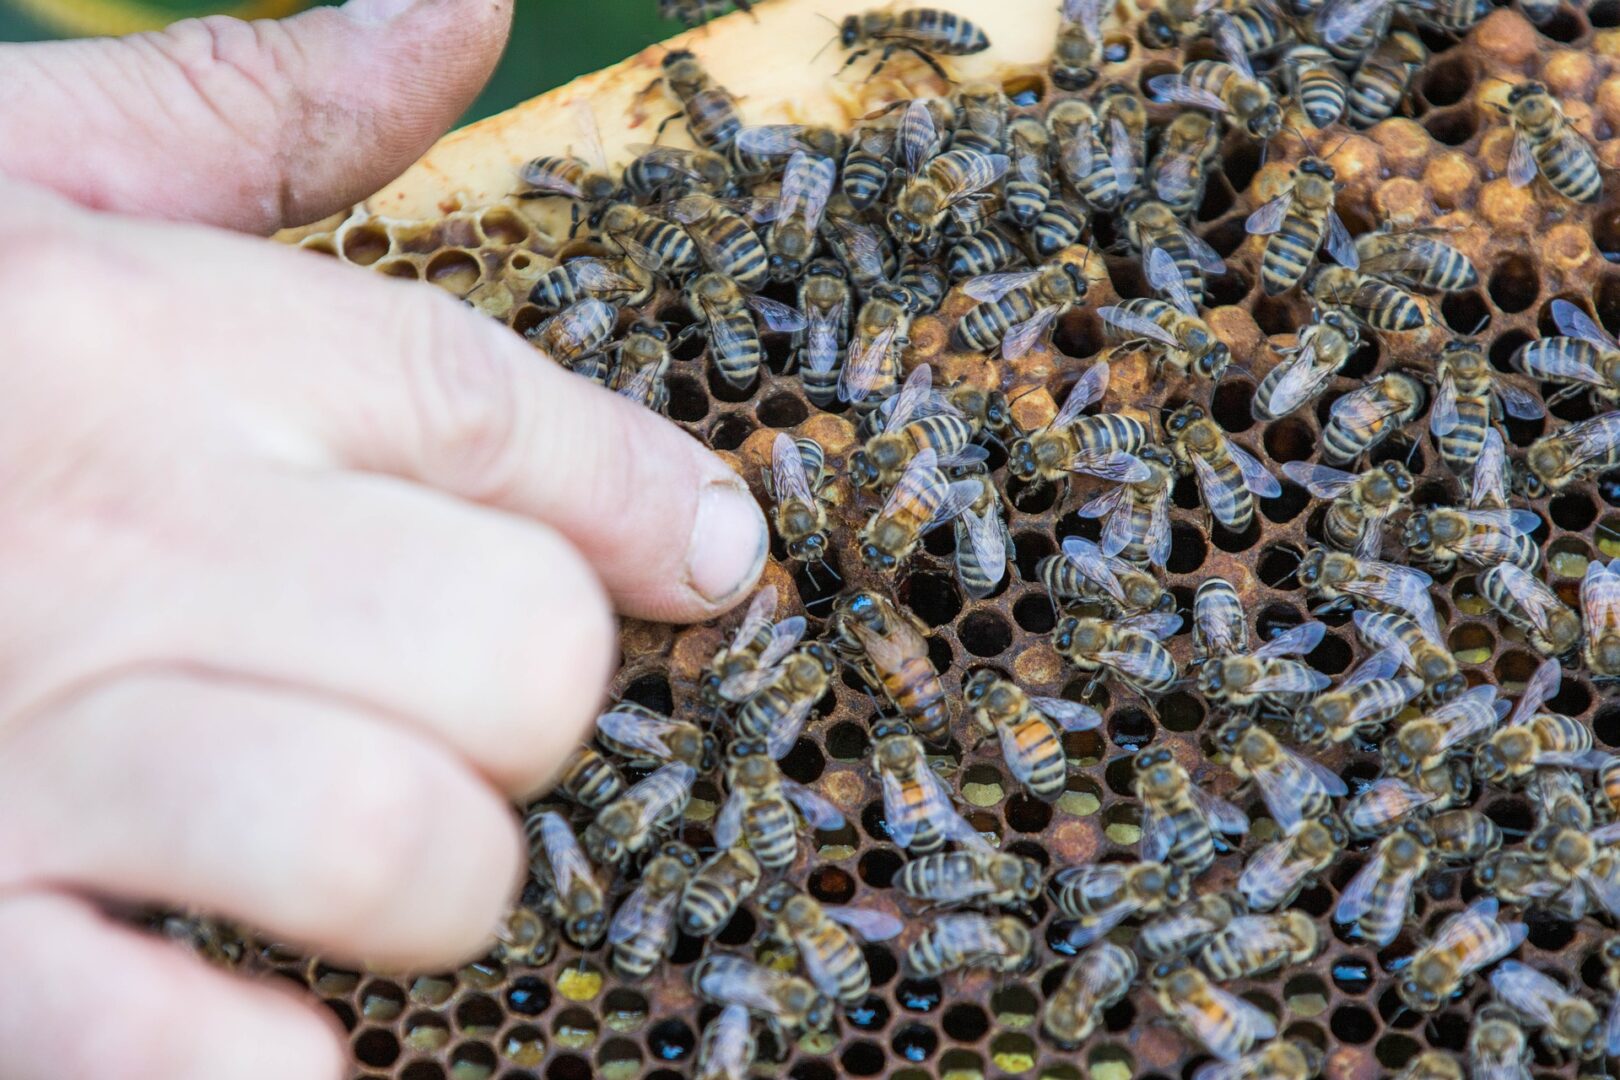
(1570, 168)
(772, 833)
(1289, 252)
(1460, 446)
(948, 33)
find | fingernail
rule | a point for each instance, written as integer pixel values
(728, 545)
(376, 11)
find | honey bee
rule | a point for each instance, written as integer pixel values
(1528, 603)
(916, 804)
(1575, 860)
(758, 643)
(709, 108)
(1079, 45)
(980, 117)
(1246, 682)
(965, 939)
(786, 1001)
(634, 231)
(1123, 114)
(1571, 453)
(806, 186)
(1099, 978)
(974, 873)
(914, 419)
(1425, 741)
(1174, 332)
(1252, 945)
(1228, 476)
(1180, 170)
(1129, 649)
(1227, 87)
(724, 238)
(776, 701)
(663, 173)
(1306, 369)
(948, 184)
(1277, 871)
(1533, 739)
(1498, 1046)
(586, 183)
(983, 545)
(627, 824)
(721, 308)
(1469, 396)
(1464, 835)
(1138, 514)
(1373, 301)
(825, 937)
(1545, 142)
(1281, 1059)
(1185, 929)
(1560, 798)
(864, 250)
(1378, 900)
(575, 335)
(574, 895)
(924, 32)
(614, 281)
(1103, 895)
(1028, 184)
(888, 647)
(759, 810)
(1221, 1022)
(1316, 83)
(1163, 27)
(525, 937)
(1016, 309)
(825, 300)
(1416, 259)
(1442, 536)
(728, 1048)
(1368, 698)
(872, 364)
(1381, 82)
(1489, 488)
(1293, 787)
(1519, 878)
(1465, 942)
(924, 282)
(923, 499)
(1610, 955)
(764, 150)
(987, 251)
(1087, 159)
(642, 932)
(1587, 358)
(1084, 574)
(1103, 445)
(1435, 1065)
(717, 889)
(589, 779)
(1297, 224)
(1220, 624)
(1349, 29)
(642, 363)
(1180, 818)
(1365, 417)
(1030, 729)
(1600, 613)
(644, 738)
(1152, 226)
(797, 492)
(1423, 655)
(1361, 502)
(1058, 227)
(1383, 803)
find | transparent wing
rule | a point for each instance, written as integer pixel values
(1383, 802)
(770, 140)
(1102, 506)
(728, 1041)
(1165, 276)
(1339, 242)
(1518, 403)
(861, 243)
(1157, 540)
(864, 365)
(907, 405)
(1290, 789)
(1269, 217)
(1256, 477)
(734, 980)
(547, 180)
(1120, 156)
(1550, 359)
(1319, 480)
(1093, 565)
(787, 472)
(1475, 936)
(1176, 89)
(1521, 165)
(821, 345)
(1268, 875)
(1340, 21)
(1542, 684)
(637, 731)
(1088, 13)
(1490, 472)
(1068, 715)
(871, 924)
(563, 855)
(1091, 387)
(918, 134)
(988, 288)
(1221, 815)
(1135, 325)
(1535, 600)
(1576, 323)
(806, 186)
(1078, 156)
(1230, 42)
(1024, 336)
(643, 914)
(784, 636)
(1295, 641)
(664, 789)
(728, 825)
(1173, 177)
(1206, 257)
(989, 540)
(1135, 664)
(980, 171)
(777, 316)
(1443, 418)
(1303, 380)
(1113, 465)
(599, 275)
(1600, 597)
(820, 813)
(1382, 664)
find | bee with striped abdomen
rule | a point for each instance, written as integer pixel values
(724, 238)
(984, 547)
(616, 281)
(967, 939)
(1545, 142)
(1442, 536)
(1368, 698)
(1163, 27)
(1464, 835)
(759, 642)
(924, 32)
(1100, 896)
(1221, 1022)
(1152, 225)
(1173, 331)
(1528, 603)
(641, 363)
(1277, 871)
(642, 932)
(1533, 739)
(1344, 580)
(798, 480)
(1129, 649)
(916, 803)
(980, 119)
(1280, 1059)
(871, 371)
(988, 251)
(709, 108)
(1228, 87)
(974, 873)
(789, 1003)
(1138, 513)
(922, 499)
(1030, 729)
(1253, 945)
(825, 937)
(575, 336)
(1426, 657)
(1123, 115)
(1316, 83)
(777, 699)
(717, 889)
(1058, 227)
(1365, 417)
(1323, 347)
(916, 419)
(1380, 83)
(1100, 977)
(1180, 818)
(759, 810)
(1465, 943)
(1085, 160)
(694, 13)
(950, 183)
(1293, 787)
(1586, 358)
(665, 173)
(1079, 46)
(525, 937)
(1370, 300)
(633, 230)
(574, 895)
(1349, 29)
(1297, 224)
(1571, 453)
(1378, 900)
(644, 738)
(1084, 575)
(628, 823)
(728, 1048)
(888, 647)
(1015, 310)
(1103, 445)
(1184, 929)
(826, 303)
(1433, 1065)
(1600, 614)
(1426, 741)
(1219, 622)
(587, 183)
(1362, 502)
(924, 282)
(1469, 397)
(1228, 476)
(1187, 153)
(1028, 185)
(1266, 679)
(722, 310)
(806, 186)
(589, 779)
(1416, 259)
(763, 151)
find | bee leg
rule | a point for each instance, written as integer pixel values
(668, 120)
(932, 63)
(850, 59)
(1565, 394)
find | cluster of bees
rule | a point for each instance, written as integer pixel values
(974, 191)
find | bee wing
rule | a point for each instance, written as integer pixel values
(1443, 418)
(907, 405)
(989, 288)
(1302, 380)
(1269, 217)
(1207, 257)
(1219, 491)
(728, 823)
(1173, 176)
(869, 923)
(1120, 155)
(770, 140)
(1093, 565)
(1230, 42)
(1136, 325)
(821, 345)
(1078, 155)
(1611, 1027)
(1165, 276)
(563, 854)
(1518, 403)
(785, 635)
(1382, 803)
(1339, 243)
(1546, 360)
(667, 787)
(862, 243)
(1176, 89)
(1320, 480)
(1158, 837)
(1068, 715)
(1102, 506)
(1576, 323)
(1600, 596)
(761, 610)
(1295, 641)
(988, 537)
(1157, 540)
(820, 813)
(734, 980)
(1595, 438)
(643, 914)
(1340, 20)
(1157, 625)
(1023, 336)
(1088, 13)
(1475, 936)
(918, 134)
(1490, 472)
(863, 365)
(728, 1039)
(777, 316)
(637, 731)
(980, 171)
(1604, 888)
(599, 274)
(1113, 465)
(806, 187)
(1542, 684)
(1374, 632)
(1090, 387)
(1021, 759)
(1221, 815)
(1521, 164)
(1269, 875)
(1536, 600)
(1230, 1027)
(787, 472)
(745, 684)
(1290, 789)
(723, 336)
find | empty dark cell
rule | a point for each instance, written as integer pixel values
(671, 1040)
(1277, 566)
(1289, 439)
(1606, 302)
(1031, 498)
(878, 867)
(812, 1069)
(1030, 849)
(1565, 25)
(1130, 729)
(1083, 527)
(1605, 14)
(1078, 334)
(939, 654)
(1126, 274)
(342, 1010)
(1027, 814)
(1572, 510)
(1363, 360)
(1594, 972)
(1180, 711)
(1446, 81)
(1184, 493)
(870, 1015)
(528, 996)
(1571, 408)
(1031, 547)
(873, 822)
(1353, 1024)
(1120, 775)
(1287, 506)
(1453, 127)
(1226, 237)
(1230, 404)
(1187, 550)
(1217, 201)
(740, 930)
(1549, 935)
(1119, 1016)
(1523, 432)
(1227, 540)
(729, 431)
(1466, 313)
(1034, 614)
(687, 402)
(1448, 1031)
(831, 885)
(803, 763)
(918, 995)
(1331, 656)
(778, 352)
(1513, 815)
(429, 1070)
(1228, 288)
(1275, 315)
(965, 1023)
(880, 962)
(478, 1011)
(376, 1047)
(781, 411)
(1505, 346)
(847, 742)
(1606, 725)
(1608, 486)
(1241, 161)
(1394, 1051)
(914, 1043)
(567, 1067)
(1058, 939)
(941, 543)
(1573, 698)
(1514, 284)
(985, 633)
(724, 391)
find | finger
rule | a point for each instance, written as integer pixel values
(309, 818)
(165, 1016)
(248, 125)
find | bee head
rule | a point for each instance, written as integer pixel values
(906, 229)
(785, 267)
(978, 687)
(1398, 476)
(810, 549)
(878, 559)
(849, 31)
(1066, 77)
(1315, 166)
(1266, 122)
(1213, 362)
(1077, 277)
(1021, 460)
(862, 470)
(1158, 33)
(1524, 91)
(822, 655)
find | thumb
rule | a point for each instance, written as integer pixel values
(250, 125)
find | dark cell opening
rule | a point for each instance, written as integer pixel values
(878, 867)
(781, 411)
(803, 763)
(1034, 614)
(985, 633)
(730, 431)
(1230, 404)
(1187, 549)
(1289, 439)
(1514, 284)
(1466, 313)
(687, 402)
(965, 1023)
(1353, 1024)
(1448, 80)
(1453, 127)
(671, 1040)
(831, 885)
(653, 692)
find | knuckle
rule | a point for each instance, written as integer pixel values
(380, 827)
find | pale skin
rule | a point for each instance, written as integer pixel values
(305, 575)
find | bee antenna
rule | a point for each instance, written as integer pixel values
(837, 31)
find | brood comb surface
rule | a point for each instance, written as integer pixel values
(1444, 165)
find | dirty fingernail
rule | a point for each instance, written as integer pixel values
(729, 542)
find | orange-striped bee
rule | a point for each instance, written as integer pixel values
(916, 804)
(1600, 609)
(824, 935)
(923, 499)
(1293, 786)
(1383, 803)
(1030, 728)
(1276, 872)
(889, 648)
(1220, 1021)
(1466, 942)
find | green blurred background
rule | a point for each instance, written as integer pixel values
(552, 40)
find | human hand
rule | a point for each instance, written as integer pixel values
(305, 572)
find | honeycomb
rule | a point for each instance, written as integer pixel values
(450, 223)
